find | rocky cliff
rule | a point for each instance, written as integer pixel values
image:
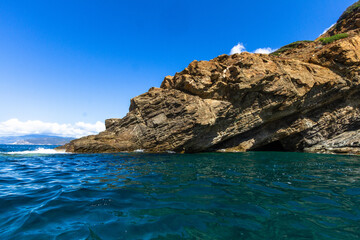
(304, 97)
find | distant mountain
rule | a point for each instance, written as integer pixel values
(35, 139)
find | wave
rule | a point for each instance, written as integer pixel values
(38, 151)
(139, 151)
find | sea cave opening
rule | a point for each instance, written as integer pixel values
(271, 147)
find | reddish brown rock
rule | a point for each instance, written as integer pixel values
(304, 99)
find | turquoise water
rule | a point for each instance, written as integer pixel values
(259, 195)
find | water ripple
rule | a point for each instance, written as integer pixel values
(171, 196)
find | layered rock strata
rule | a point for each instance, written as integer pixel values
(304, 99)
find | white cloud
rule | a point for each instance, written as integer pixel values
(15, 127)
(327, 29)
(239, 48)
(265, 50)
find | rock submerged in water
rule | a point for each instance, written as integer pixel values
(303, 98)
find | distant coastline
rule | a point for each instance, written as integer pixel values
(34, 139)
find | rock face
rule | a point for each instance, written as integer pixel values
(304, 99)
(349, 20)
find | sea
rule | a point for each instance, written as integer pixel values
(253, 195)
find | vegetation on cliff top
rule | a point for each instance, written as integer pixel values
(346, 13)
(334, 38)
(353, 7)
(324, 41)
(289, 47)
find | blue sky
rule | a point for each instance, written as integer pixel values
(70, 61)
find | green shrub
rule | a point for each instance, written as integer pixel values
(353, 7)
(289, 47)
(333, 38)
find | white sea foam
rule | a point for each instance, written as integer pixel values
(38, 151)
(139, 151)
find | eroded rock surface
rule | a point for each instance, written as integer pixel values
(306, 99)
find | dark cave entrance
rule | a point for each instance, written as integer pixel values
(271, 147)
